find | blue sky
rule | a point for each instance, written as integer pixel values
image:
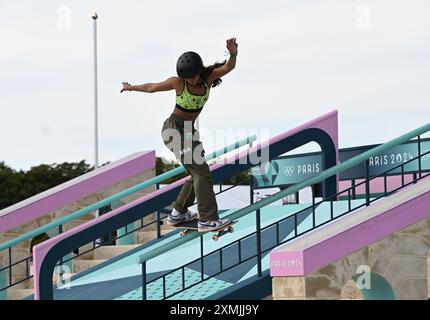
(297, 60)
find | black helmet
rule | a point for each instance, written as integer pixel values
(189, 64)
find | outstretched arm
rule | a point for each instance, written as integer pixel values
(168, 84)
(231, 63)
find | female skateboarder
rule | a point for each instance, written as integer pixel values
(192, 86)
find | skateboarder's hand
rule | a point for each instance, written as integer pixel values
(232, 45)
(126, 87)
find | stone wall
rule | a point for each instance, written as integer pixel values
(401, 258)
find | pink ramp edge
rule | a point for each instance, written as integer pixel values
(75, 189)
(291, 261)
(348, 241)
(327, 123)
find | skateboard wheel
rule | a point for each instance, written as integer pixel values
(215, 237)
(230, 229)
(182, 233)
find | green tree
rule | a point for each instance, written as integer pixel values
(10, 186)
(17, 186)
(44, 177)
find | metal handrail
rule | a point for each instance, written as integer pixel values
(275, 224)
(291, 190)
(134, 230)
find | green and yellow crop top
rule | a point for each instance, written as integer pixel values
(189, 102)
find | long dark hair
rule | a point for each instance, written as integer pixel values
(208, 70)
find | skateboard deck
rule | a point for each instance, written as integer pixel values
(191, 226)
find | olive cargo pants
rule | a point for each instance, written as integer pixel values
(178, 136)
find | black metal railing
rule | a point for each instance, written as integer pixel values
(279, 240)
(7, 249)
(158, 222)
(161, 215)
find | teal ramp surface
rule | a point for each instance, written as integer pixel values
(120, 278)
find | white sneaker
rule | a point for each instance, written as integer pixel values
(175, 217)
(212, 225)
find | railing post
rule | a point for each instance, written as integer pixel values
(220, 260)
(10, 266)
(366, 166)
(349, 200)
(27, 267)
(183, 278)
(295, 225)
(331, 209)
(144, 280)
(164, 287)
(259, 267)
(385, 184)
(403, 175)
(201, 257)
(251, 193)
(158, 217)
(60, 230)
(239, 248)
(353, 189)
(313, 210)
(419, 156)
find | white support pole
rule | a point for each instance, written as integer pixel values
(96, 146)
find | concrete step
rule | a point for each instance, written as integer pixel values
(87, 217)
(145, 236)
(73, 224)
(108, 252)
(19, 294)
(26, 284)
(18, 254)
(82, 265)
(86, 256)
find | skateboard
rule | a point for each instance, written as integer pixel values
(191, 226)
